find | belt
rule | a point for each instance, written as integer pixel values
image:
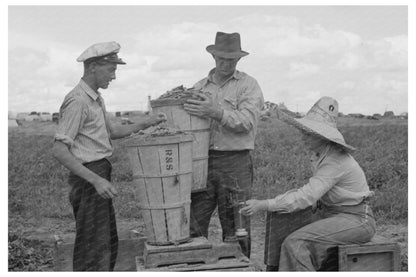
(97, 162)
(219, 153)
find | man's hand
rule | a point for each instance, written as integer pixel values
(204, 108)
(105, 189)
(254, 206)
(157, 118)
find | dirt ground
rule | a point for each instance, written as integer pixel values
(51, 227)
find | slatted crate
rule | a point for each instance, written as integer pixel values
(377, 255)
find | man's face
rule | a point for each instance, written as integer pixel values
(104, 74)
(312, 142)
(225, 66)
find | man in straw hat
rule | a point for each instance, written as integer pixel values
(83, 145)
(338, 182)
(234, 108)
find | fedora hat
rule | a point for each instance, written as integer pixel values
(321, 120)
(227, 46)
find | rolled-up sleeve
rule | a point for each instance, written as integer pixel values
(246, 116)
(325, 178)
(72, 116)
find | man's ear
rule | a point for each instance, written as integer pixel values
(92, 67)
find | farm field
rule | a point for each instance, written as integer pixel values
(38, 192)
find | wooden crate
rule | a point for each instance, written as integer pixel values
(198, 251)
(377, 255)
(278, 227)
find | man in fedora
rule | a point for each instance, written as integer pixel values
(83, 145)
(233, 108)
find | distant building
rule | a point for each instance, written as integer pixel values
(12, 115)
(13, 123)
(45, 116)
(149, 107)
(404, 115)
(21, 116)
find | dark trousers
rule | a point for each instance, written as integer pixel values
(230, 177)
(96, 240)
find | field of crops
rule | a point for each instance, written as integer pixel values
(38, 192)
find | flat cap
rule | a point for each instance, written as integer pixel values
(104, 51)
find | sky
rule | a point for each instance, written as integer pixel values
(355, 54)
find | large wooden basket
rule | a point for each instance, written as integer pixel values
(199, 127)
(162, 179)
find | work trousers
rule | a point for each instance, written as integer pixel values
(230, 177)
(96, 240)
(309, 247)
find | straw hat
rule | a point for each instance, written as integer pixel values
(321, 120)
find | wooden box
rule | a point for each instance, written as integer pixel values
(278, 227)
(377, 255)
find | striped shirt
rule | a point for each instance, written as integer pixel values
(241, 99)
(83, 125)
(338, 180)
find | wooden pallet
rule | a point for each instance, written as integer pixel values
(222, 265)
(197, 253)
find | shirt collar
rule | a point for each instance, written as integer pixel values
(236, 75)
(88, 90)
(317, 157)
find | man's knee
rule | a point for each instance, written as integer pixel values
(293, 242)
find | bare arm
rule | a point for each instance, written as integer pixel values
(120, 131)
(104, 188)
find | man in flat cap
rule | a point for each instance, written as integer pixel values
(83, 145)
(234, 110)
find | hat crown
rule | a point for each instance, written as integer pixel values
(106, 50)
(227, 42)
(227, 46)
(324, 111)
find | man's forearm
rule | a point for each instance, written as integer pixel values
(62, 154)
(121, 131)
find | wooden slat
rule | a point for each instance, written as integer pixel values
(151, 165)
(200, 167)
(194, 244)
(140, 189)
(169, 161)
(185, 184)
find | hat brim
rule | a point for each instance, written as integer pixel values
(228, 55)
(315, 128)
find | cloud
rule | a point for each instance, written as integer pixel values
(294, 62)
(298, 69)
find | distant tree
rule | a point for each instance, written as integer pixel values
(389, 114)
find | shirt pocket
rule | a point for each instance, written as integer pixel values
(230, 103)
